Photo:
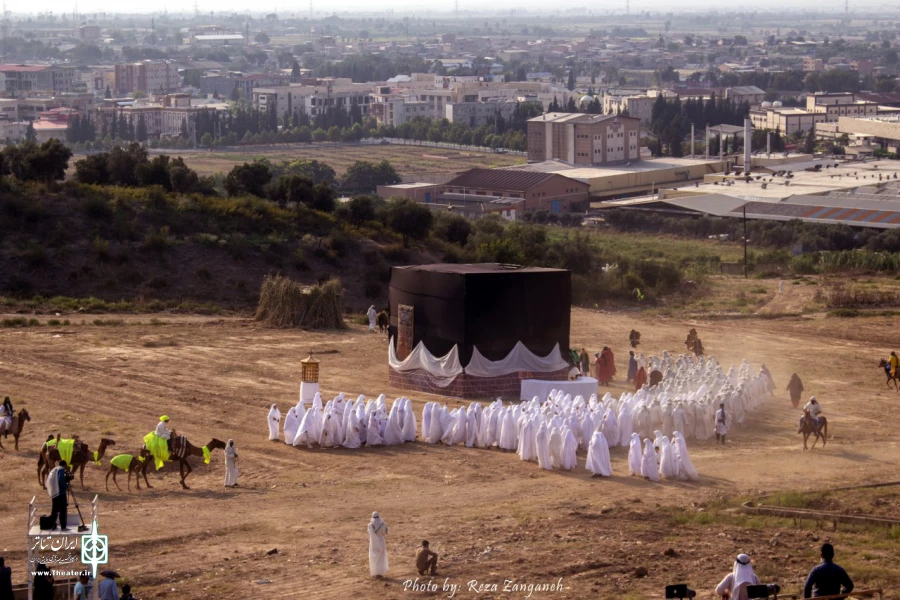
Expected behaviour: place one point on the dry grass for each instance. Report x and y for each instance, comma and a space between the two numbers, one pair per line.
286, 303
406, 159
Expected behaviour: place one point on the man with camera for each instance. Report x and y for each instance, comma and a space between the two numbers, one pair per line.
57, 485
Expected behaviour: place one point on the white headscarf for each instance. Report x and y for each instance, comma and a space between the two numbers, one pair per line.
743, 574
377, 524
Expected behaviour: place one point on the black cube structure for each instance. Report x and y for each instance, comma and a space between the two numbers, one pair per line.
491, 307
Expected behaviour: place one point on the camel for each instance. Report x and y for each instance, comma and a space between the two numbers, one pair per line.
808, 428
81, 455
18, 424
135, 465
384, 320
887, 371
180, 449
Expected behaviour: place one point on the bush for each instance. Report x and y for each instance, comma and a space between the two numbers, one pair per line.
35, 256
843, 312
298, 259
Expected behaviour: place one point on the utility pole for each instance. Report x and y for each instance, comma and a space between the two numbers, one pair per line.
746, 270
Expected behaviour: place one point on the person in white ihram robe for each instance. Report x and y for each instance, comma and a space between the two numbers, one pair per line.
649, 463
686, 468
734, 586
373, 432
569, 456
393, 433
527, 449
372, 314
351, 435
409, 421
304, 432
291, 424
378, 558
231, 472
634, 455
668, 463
542, 443
598, 461
555, 448
274, 421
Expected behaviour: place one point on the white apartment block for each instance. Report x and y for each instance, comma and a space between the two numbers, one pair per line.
314, 100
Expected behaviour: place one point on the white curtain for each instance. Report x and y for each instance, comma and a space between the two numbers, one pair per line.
448, 367
520, 358
420, 358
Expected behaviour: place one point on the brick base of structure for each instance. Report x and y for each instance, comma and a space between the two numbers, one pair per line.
469, 386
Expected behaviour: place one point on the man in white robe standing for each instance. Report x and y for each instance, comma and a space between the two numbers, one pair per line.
373, 315
634, 455
291, 424
721, 424
598, 461
542, 443
649, 462
378, 558
274, 421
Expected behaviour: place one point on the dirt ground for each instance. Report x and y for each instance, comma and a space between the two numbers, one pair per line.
490, 516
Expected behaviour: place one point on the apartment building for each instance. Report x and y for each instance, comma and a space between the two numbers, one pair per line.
820, 108
162, 119
583, 139
840, 105
149, 76
476, 114
16, 80
314, 100
636, 105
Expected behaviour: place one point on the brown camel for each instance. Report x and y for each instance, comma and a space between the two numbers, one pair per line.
136, 466
18, 424
808, 428
81, 455
180, 449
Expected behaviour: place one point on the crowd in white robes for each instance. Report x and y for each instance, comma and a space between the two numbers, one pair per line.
552, 431
346, 423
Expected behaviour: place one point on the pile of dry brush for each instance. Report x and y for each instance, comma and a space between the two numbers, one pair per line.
286, 303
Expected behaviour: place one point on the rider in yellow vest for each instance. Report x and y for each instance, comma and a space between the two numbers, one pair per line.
895, 362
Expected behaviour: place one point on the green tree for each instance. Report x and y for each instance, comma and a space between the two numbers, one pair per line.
30, 134
29, 161
365, 176
408, 218
362, 209
92, 169
140, 132
108, 93
809, 144
249, 178
261, 38
289, 189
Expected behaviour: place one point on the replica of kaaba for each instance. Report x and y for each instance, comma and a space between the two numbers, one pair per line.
477, 330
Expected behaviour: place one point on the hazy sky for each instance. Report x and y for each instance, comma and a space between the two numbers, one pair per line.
301, 8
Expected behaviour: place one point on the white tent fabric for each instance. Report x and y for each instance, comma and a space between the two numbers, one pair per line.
420, 358
519, 358
448, 366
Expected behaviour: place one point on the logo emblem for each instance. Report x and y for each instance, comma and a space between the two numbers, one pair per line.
94, 549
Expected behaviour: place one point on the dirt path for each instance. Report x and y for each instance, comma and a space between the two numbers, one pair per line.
490, 516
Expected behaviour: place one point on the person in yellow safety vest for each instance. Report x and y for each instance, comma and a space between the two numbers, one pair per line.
895, 362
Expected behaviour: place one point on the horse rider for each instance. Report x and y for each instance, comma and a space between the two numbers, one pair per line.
894, 362
813, 409
6, 415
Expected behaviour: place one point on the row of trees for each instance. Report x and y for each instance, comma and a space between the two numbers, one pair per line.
131, 166
670, 120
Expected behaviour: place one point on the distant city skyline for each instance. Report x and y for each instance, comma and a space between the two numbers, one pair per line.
412, 7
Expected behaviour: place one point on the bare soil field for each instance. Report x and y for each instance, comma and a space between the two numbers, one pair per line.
490, 516
406, 159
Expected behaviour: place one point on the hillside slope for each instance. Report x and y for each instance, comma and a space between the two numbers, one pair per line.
143, 245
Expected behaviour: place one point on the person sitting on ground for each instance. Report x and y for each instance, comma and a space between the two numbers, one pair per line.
827, 578
734, 586
426, 559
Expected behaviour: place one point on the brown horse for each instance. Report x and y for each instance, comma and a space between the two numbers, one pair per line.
180, 450
383, 320
81, 455
18, 424
890, 378
808, 428
136, 466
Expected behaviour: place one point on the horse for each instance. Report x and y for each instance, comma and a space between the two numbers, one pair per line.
890, 378
808, 427
383, 320
634, 338
18, 424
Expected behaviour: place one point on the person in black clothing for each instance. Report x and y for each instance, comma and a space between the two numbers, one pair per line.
827, 578
6, 592
43, 583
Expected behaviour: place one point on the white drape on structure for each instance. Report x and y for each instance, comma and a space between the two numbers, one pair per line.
448, 366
